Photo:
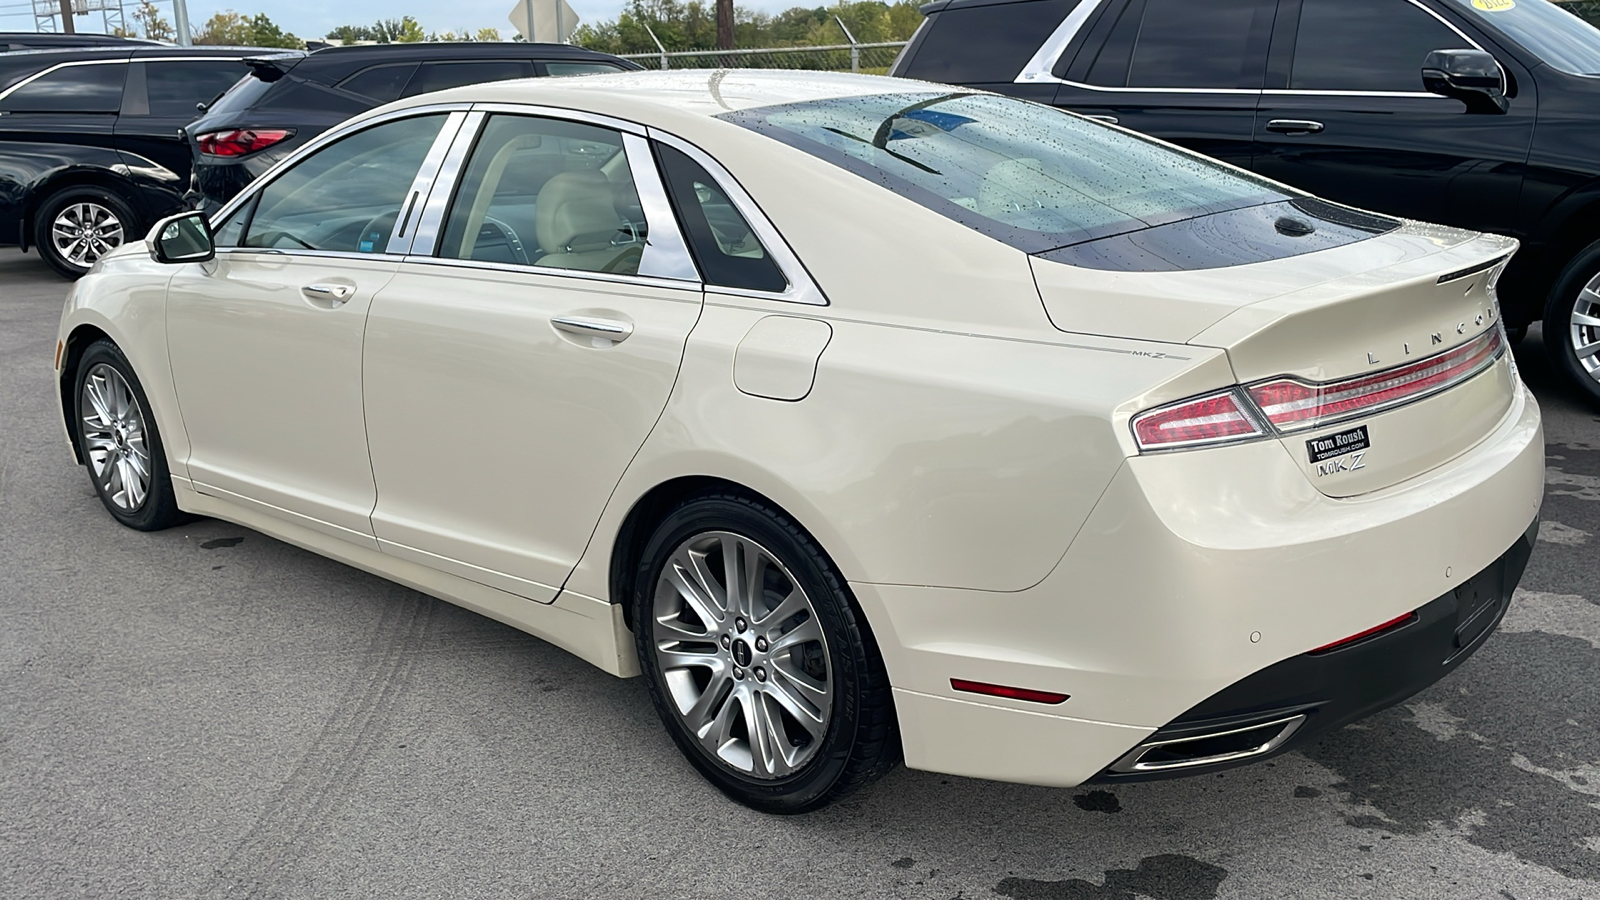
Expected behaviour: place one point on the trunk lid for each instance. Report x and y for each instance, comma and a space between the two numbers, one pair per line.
1358, 310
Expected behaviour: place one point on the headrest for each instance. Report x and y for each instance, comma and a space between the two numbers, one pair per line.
575, 212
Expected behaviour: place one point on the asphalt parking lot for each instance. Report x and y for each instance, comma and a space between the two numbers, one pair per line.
207, 713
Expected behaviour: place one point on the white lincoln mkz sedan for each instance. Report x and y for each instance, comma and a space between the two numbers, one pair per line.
863, 417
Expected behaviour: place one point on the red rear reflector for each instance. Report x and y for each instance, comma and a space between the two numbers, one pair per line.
1294, 405
1395, 622
240, 141
1214, 418
1013, 693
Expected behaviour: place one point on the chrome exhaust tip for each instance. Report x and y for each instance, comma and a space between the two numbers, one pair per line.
1209, 748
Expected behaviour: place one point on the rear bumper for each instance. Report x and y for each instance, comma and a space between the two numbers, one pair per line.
1292, 702
1195, 592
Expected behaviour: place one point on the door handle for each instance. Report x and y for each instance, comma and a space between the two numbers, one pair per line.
331, 294
603, 332
1109, 120
1294, 126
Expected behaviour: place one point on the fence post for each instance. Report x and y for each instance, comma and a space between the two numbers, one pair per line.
855, 52
665, 63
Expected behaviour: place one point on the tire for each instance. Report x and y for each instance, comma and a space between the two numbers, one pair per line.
1572, 319
103, 222
121, 446
798, 664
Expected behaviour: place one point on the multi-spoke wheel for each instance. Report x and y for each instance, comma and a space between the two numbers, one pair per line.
119, 442
760, 665
1572, 321
77, 226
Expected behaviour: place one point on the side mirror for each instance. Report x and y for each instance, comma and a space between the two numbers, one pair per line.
1471, 76
183, 238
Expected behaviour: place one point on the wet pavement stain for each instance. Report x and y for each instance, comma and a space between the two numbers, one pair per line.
1165, 877
1304, 792
219, 543
1098, 801
904, 862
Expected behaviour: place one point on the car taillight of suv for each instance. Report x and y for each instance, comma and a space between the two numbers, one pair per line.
240, 141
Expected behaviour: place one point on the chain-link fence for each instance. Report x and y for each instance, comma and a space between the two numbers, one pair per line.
873, 59
1584, 9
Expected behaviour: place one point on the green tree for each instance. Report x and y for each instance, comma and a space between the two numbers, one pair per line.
155, 26
691, 25
230, 29
488, 35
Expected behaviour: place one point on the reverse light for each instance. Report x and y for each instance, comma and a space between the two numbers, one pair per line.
1294, 405
1010, 693
240, 141
1210, 419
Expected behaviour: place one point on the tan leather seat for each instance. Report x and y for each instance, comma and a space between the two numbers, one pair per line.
576, 220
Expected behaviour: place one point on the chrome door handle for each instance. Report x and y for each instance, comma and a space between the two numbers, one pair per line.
333, 294
611, 330
1294, 126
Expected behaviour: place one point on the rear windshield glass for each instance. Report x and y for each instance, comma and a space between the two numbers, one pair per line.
243, 95
1556, 35
1031, 176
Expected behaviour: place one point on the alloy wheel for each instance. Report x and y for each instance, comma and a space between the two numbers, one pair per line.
742, 655
1584, 331
114, 437
85, 231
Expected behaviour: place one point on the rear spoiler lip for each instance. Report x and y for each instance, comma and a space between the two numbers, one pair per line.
271, 68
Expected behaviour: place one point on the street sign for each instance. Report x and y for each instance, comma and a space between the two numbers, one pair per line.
544, 20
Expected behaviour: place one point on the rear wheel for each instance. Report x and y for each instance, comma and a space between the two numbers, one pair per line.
121, 446
78, 225
759, 663
1572, 322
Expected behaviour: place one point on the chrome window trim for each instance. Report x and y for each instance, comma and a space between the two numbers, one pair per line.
107, 62
321, 140
666, 253
1038, 69
422, 187
581, 274
801, 287
556, 112
300, 251
438, 200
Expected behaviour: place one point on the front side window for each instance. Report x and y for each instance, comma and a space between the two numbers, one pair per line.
1031, 176
346, 196
1200, 45
1554, 34
1366, 45
547, 192
95, 88
724, 245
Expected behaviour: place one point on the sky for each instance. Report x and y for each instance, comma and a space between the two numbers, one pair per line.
315, 18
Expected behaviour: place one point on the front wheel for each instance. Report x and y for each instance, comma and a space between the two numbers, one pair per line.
758, 661
1572, 322
119, 441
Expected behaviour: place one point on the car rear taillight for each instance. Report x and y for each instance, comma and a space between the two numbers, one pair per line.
1293, 405
240, 141
1211, 419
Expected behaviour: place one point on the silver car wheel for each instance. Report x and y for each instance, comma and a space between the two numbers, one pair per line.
83, 232
742, 655
1585, 328
114, 437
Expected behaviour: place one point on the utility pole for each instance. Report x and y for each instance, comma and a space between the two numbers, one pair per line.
67, 25
180, 21
724, 24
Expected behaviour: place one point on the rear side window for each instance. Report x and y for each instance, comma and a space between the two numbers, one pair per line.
444, 75
93, 88
1366, 45
1032, 177
1215, 44
381, 83
724, 245
985, 44
558, 69
174, 88
245, 93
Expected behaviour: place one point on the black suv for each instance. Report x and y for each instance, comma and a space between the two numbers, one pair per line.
1484, 114
292, 99
90, 151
